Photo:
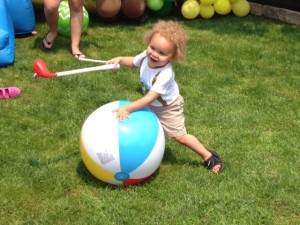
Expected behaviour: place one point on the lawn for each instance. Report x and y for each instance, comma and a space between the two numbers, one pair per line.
241, 86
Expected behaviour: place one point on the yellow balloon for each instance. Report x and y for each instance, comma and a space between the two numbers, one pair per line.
241, 8
222, 7
207, 2
233, 1
190, 9
206, 11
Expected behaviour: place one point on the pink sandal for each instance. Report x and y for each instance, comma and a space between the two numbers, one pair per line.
9, 92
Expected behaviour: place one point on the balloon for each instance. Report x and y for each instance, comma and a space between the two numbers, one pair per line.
206, 11
222, 7
108, 8
207, 2
165, 10
190, 9
64, 19
133, 9
241, 8
155, 4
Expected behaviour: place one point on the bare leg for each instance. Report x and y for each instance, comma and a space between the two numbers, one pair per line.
194, 144
51, 15
76, 21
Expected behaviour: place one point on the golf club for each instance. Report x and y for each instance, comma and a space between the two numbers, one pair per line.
92, 60
41, 70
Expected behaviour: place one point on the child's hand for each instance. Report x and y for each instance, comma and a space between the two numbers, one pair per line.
115, 61
122, 114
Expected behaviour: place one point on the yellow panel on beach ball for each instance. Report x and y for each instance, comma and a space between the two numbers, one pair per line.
92, 166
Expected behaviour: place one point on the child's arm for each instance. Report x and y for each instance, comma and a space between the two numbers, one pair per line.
122, 60
124, 112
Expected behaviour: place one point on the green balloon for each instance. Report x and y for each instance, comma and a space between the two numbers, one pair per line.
64, 19
164, 11
155, 4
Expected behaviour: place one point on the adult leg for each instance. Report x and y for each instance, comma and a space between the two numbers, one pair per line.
51, 15
76, 12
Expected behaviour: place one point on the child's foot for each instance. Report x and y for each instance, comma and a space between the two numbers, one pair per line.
48, 41
78, 55
9, 92
214, 163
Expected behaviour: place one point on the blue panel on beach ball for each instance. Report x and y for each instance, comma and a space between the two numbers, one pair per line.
137, 138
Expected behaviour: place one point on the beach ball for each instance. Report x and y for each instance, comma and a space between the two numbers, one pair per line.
222, 7
122, 153
190, 9
206, 11
64, 19
241, 8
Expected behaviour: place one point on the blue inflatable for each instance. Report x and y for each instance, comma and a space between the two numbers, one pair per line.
7, 36
22, 14
17, 19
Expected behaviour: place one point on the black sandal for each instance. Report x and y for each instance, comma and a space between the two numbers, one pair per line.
213, 161
47, 45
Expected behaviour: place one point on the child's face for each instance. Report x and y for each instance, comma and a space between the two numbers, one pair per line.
160, 51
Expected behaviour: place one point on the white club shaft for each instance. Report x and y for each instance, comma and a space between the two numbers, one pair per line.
89, 69
92, 60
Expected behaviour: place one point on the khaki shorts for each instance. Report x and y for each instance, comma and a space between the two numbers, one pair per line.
171, 117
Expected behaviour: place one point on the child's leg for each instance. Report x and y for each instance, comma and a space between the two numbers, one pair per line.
52, 16
76, 12
194, 144
172, 120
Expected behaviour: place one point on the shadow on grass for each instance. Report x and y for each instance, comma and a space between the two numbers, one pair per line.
85, 175
169, 158
63, 43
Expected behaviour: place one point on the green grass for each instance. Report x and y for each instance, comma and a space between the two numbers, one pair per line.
241, 86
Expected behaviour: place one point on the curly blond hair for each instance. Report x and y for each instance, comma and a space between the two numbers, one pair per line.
173, 32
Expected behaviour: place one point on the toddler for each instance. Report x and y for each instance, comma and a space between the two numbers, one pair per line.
166, 42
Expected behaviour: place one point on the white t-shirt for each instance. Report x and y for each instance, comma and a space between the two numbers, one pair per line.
165, 83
